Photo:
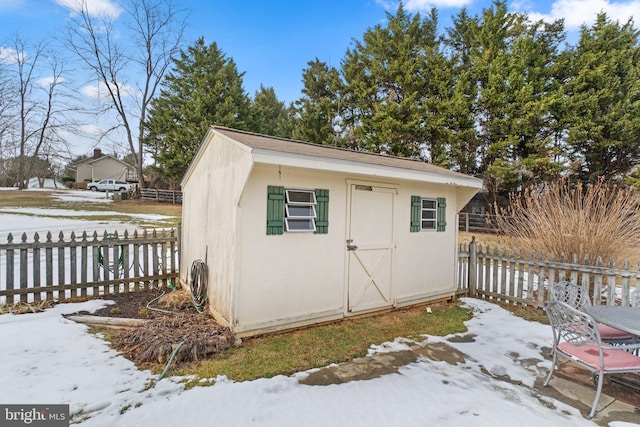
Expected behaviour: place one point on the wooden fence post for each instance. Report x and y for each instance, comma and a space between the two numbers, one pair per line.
473, 266
9, 286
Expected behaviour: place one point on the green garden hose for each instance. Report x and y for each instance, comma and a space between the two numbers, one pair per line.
166, 368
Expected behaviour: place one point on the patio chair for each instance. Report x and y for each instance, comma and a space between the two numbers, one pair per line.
634, 298
578, 297
576, 337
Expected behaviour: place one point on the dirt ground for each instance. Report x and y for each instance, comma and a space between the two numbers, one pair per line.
145, 304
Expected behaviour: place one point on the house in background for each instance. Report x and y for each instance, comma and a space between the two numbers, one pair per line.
296, 233
102, 166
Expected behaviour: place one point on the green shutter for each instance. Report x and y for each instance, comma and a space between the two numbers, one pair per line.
275, 210
416, 204
442, 214
322, 211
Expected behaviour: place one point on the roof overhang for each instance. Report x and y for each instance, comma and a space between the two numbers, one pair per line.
367, 169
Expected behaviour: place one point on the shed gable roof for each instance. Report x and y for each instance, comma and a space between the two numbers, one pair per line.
275, 144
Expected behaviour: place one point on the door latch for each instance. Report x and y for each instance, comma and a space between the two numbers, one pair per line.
351, 247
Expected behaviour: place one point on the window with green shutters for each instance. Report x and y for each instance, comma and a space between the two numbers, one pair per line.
428, 214
296, 210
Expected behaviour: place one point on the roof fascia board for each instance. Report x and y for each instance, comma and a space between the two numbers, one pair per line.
348, 166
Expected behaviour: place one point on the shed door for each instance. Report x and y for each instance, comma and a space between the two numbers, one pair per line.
370, 247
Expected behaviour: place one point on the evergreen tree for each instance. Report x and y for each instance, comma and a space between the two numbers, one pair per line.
460, 100
391, 77
522, 151
203, 89
319, 106
505, 70
604, 127
268, 115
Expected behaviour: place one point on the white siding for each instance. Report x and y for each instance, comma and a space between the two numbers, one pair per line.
292, 277
425, 260
298, 278
210, 199
103, 168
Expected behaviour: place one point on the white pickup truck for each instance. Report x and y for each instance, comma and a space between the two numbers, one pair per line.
109, 185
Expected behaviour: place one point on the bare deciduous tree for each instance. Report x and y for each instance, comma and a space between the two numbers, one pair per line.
153, 30
32, 121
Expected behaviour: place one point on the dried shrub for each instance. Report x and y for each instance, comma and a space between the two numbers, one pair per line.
155, 341
178, 299
23, 307
597, 220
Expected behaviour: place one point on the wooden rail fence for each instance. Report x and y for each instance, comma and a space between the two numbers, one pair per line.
477, 222
170, 196
521, 278
83, 266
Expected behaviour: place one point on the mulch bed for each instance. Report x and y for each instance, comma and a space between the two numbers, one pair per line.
173, 324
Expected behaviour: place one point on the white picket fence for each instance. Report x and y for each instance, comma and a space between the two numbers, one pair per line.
32, 270
521, 278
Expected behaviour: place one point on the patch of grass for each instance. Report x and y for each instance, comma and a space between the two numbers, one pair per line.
15, 198
527, 312
319, 346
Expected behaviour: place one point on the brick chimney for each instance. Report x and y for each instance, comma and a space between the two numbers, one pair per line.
97, 153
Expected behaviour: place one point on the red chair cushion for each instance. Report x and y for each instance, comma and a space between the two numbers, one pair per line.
609, 333
614, 360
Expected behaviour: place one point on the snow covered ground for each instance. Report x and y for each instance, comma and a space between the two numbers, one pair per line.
40, 220
50, 360
26, 222
47, 359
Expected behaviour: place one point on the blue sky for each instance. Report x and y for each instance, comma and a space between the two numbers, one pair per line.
272, 41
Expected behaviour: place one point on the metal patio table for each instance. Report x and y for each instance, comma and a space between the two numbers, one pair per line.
624, 318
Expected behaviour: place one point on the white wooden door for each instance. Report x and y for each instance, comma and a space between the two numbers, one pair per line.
371, 247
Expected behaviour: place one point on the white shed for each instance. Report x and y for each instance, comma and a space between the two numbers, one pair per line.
296, 233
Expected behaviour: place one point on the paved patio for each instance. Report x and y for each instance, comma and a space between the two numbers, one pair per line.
570, 385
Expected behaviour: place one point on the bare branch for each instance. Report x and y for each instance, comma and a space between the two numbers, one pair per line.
155, 29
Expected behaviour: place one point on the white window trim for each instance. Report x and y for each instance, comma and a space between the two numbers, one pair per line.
311, 228
434, 210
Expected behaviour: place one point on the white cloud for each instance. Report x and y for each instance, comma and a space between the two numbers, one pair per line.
95, 8
425, 5
9, 55
578, 12
90, 129
47, 81
100, 90
387, 4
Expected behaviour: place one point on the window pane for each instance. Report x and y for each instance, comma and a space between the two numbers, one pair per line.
428, 225
295, 196
428, 214
301, 211
299, 224
428, 204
